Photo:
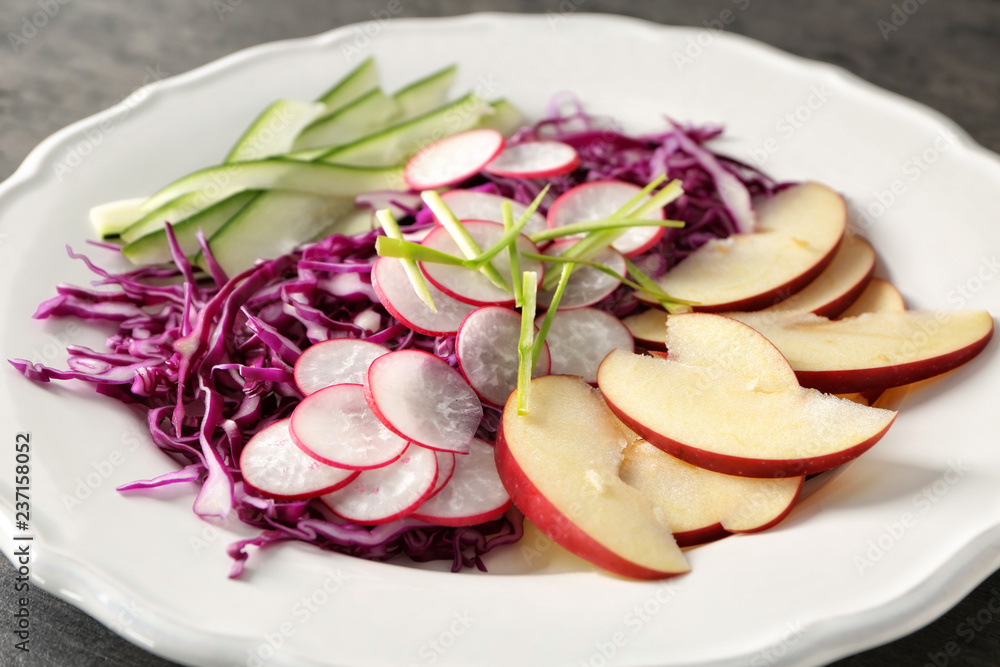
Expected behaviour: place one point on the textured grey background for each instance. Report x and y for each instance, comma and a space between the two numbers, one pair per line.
90, 55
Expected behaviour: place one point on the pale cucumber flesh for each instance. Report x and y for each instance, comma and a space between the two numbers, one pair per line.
153, 248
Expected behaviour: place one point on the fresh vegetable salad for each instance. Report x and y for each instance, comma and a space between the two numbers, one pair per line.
329, 344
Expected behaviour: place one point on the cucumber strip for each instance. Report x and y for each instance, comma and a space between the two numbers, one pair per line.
275, 130
330, 180
353, 85
153, 248
173, 211
370, 112
427, 93
274, 223
395, 144
505, 118
114, 217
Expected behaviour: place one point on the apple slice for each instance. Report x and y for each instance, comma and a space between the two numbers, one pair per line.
879, 296
700, 505
873, 350
560, 462
648, 328
726, 400
839, 284
797, 234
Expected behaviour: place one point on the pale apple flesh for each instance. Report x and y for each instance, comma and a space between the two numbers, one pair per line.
750, 420
797, 235
700, 505
873, 350
560, 462
839, 284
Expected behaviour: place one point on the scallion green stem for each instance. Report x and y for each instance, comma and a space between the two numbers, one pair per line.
393, 233
461, 236
526, 342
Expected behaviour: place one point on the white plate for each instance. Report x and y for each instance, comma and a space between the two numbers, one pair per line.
147, 568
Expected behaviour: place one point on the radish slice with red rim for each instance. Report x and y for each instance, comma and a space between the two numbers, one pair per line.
486, 347
468, 285
446, 468
423, 399
273, 466
452, 159
395, 292
475, 205
388, 493
335, 425
586, 285
580, 339
473, 495
535, 159
335, 361
598, 200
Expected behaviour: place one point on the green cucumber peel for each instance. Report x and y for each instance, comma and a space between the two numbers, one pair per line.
393, 233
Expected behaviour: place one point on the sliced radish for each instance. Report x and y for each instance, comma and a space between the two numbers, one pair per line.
475, 493
587, 285
474, 205
388, 493
598, 200
423, 399
535, 159
395, 292
446, 468
452, 159
335, 425
580, 339
471, 286
273, 466
335, 361
487, 352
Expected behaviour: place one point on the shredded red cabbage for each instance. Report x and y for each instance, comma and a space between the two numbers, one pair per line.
211, 357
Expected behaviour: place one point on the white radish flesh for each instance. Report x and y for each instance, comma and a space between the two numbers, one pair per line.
335, 361
335, 425
423, 399
587, 285
598, 200
468, 285
487, 352
473, 495
452, 159
535, 159
579, 340
395, 292
388, 493
446, 468
474, 205
272, 465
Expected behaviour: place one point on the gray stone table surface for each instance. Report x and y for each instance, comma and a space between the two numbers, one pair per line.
87, 56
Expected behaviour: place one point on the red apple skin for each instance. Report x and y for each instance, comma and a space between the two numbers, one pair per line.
556, 525
748, 467
842, 303
864, 380
699, 536
775, 295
